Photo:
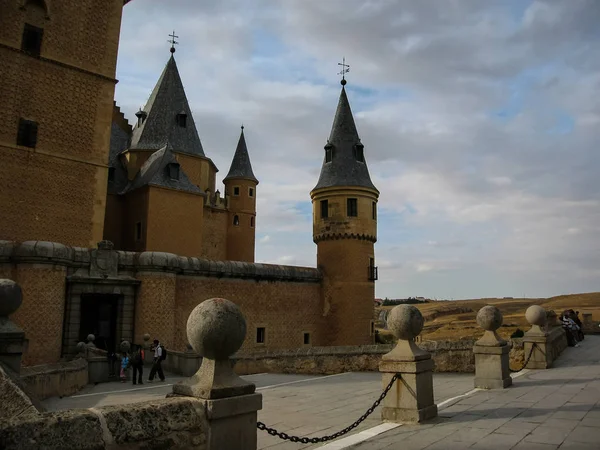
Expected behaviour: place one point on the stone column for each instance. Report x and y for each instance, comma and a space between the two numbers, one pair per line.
411, 396
216, 329
491, 352
536, 316
12, 338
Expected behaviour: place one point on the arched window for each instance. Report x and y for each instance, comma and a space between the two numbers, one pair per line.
36, 13
252, 222
236, 220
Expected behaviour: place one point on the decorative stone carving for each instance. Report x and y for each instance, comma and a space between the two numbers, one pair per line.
491, 352
411, 396
104, 261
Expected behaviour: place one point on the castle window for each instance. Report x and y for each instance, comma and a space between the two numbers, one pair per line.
251, 192
181, 119
373, 275
374, 210
359, 153
236, 220
31, 42
138, 231
372, 327
236, 191
111, 174
173, 170
252, 222
328, 153
306, 338
324, 209
260, 335
27, 133
352, 207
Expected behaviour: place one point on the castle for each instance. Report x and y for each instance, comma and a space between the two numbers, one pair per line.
121, 231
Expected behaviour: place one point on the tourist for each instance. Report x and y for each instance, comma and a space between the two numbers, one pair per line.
570, 328
159, 356
575, 317
137, 362
124, 366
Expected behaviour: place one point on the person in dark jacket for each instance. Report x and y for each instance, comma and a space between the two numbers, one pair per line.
137, 362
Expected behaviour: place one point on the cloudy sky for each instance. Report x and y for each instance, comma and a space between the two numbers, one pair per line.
480, 119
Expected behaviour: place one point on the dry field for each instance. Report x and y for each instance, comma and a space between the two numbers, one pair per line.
456, 319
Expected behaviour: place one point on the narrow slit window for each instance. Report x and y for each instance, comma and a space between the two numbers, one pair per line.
138, 231
27, 133
352, 207
260, 335
31, 42
306, 338
328, 153
252, 222
236, 220
324, 209
374, 206
250, 192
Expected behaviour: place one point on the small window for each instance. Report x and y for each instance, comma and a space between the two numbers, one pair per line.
352, 207
260, 335
359, 153
250, 192
324, 209
374, 210
138, 231
173, 171
372, 327
236, 220
111, 174
328, 153
32, 40
252, 222
306, 338
27, 133
181, 119
236, 191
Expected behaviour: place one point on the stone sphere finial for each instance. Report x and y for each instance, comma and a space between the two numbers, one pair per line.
90, 340
489, 318
80, 347
125, 346
146, 337
216, 328
405, 321
11, 297
536, 315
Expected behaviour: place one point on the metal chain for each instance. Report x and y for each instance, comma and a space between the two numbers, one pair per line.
316, 440
533, 346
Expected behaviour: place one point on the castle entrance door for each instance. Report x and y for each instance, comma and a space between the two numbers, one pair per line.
99, 314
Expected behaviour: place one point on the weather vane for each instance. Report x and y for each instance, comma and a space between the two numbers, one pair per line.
172, 41
344, 71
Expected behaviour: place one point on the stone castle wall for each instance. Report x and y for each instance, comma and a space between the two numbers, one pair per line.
214, 239
286, 301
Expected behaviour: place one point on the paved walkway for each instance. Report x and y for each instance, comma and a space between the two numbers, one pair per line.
557, 408
302, 405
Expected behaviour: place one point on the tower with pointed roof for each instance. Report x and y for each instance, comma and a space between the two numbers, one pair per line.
240, 189
345, 231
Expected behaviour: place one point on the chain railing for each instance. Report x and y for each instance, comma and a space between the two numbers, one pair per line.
533, 346
316, 440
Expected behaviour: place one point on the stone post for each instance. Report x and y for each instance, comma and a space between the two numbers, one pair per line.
12, 338
90, 341
491, 352
216, 329
411, 396
536, 316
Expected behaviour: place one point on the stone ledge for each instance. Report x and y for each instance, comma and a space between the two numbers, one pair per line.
41, 252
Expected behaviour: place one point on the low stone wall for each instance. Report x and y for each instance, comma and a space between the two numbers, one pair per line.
175, 423
55, 380
182, 363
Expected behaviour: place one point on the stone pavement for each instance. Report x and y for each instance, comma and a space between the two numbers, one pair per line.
557, 408
303, 405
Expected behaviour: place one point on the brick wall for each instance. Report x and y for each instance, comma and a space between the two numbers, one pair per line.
174, 222
42, 311
214, 239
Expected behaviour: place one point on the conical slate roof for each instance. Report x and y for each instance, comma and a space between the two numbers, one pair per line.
348, 166
240, 165
160, 126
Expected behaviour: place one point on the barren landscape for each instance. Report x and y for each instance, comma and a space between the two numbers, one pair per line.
451, 320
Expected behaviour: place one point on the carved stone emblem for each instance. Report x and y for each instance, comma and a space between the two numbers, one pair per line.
104, 261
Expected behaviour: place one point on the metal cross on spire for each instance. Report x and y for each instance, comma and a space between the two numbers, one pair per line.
344, 71
173, 42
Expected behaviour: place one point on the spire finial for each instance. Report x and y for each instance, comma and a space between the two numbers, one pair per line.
344, 71
242, 127
172, 41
